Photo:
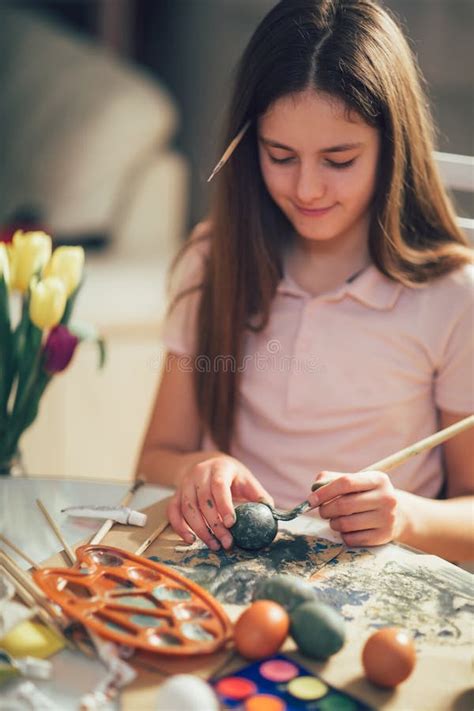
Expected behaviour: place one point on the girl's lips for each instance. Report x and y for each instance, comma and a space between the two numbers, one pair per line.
314, 213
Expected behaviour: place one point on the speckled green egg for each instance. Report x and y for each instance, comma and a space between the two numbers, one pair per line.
287, 590
318, 629
254, 527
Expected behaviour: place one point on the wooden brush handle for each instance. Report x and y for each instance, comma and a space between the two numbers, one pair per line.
394, 460
388, 463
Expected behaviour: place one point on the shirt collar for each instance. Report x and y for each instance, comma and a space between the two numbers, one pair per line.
370, 287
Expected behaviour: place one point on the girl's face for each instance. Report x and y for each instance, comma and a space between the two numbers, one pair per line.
319, 165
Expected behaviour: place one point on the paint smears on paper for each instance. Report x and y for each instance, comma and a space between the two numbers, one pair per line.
231, 575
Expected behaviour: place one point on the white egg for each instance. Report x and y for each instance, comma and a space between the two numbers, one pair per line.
185, 691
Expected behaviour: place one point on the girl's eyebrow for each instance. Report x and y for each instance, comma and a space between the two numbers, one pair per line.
331, 149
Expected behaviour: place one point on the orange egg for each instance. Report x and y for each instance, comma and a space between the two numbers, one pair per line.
261, 629
388, 657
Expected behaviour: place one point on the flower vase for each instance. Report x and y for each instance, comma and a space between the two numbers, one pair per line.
12, 466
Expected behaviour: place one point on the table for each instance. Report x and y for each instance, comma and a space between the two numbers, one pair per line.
22, 522
390, 582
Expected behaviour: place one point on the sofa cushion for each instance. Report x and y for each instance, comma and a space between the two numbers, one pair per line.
74, 121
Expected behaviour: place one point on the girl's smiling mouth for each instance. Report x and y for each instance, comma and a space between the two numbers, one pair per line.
318, 212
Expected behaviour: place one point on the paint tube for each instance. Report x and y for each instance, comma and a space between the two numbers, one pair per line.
27, 666
119, 514
34, 698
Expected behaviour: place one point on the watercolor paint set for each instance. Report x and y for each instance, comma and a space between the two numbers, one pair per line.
281, 684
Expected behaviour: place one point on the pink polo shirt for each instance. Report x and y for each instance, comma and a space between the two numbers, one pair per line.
343, 379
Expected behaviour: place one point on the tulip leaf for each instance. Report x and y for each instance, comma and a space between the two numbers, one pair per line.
25, 395
31, 409
6, 351
70, 304
21, 330
102, 352
88, 332
26, 416
27, 346
29, 368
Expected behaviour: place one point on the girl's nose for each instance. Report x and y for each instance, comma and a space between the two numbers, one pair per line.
311, 185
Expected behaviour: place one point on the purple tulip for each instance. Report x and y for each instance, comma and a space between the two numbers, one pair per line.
59, 349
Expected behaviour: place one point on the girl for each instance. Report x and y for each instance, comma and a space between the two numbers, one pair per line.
323, 316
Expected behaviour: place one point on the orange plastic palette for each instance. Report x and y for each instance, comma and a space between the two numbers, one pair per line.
137, 602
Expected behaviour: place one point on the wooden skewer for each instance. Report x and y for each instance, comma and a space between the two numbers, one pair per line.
67, 549
394, 460
18, 551
96, 640
30, 602
24, 594
229, 150
25, 580
159, 530
32, 595
107, 525
28, 584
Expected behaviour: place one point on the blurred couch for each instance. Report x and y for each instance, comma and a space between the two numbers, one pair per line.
86, 140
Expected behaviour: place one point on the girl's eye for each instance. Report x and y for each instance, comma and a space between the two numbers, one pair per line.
280, 160
340, 166
331, 163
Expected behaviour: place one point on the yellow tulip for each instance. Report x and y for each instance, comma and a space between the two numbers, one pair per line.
66, 263
48, 301
29, 254
4, 264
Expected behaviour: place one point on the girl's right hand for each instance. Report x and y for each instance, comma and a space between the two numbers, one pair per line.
203, 500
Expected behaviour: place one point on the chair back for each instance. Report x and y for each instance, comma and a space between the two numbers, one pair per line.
457, 172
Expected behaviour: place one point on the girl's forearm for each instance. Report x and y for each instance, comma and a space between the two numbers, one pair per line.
160, 465
443, 528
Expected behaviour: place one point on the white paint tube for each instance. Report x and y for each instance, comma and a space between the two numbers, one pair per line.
119, 514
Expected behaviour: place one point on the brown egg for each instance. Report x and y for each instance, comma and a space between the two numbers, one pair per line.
388, 657
261, 629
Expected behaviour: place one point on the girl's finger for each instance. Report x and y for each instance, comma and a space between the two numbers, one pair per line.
208, 507
372, 537
357, 503
192, 514
221, 483
347, 484
326, 476
250, 489
177, 521
359, 522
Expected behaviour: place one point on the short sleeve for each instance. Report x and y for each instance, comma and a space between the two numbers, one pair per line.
454, 381
180, 326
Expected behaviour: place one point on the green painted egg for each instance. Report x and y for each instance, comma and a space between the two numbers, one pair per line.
288, 590
317, 629
254, 527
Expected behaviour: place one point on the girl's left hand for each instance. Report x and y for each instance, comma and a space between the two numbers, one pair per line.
363, 507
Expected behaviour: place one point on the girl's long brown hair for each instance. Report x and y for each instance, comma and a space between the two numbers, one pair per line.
352, 50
